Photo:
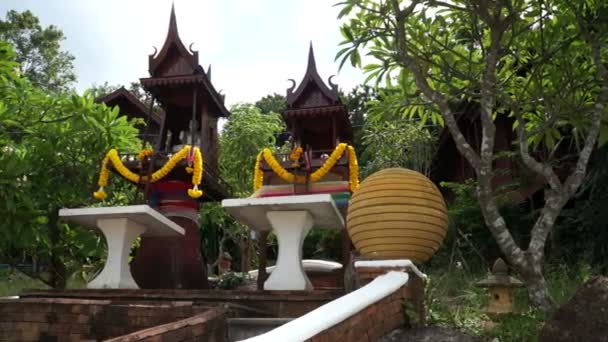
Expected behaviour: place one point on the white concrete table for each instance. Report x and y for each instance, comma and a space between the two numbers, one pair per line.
121, 226
291, 217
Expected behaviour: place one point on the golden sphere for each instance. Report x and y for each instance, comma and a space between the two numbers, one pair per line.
397, 213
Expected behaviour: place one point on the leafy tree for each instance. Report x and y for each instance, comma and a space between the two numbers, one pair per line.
357, 104
38, 51
99, 90
541, 62
51, 147
274, 103
397, 144
246, 133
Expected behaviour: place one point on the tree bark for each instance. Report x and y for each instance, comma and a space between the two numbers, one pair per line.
538, 292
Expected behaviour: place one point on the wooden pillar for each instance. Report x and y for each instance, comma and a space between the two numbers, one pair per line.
334, 131
205, 138
194, 108
262, 262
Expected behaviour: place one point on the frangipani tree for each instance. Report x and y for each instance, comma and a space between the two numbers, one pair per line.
542, 62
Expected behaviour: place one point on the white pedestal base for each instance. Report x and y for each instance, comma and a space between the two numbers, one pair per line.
291, 217
121, 226
120, 234
291, 228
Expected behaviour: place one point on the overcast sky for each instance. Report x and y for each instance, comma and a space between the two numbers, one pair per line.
254, 46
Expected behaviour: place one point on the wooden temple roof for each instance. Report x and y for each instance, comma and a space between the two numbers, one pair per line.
130, 104
175, 66
316, 101
312, 91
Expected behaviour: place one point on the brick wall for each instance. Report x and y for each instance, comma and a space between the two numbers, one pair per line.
371, 323
57, 319
274, 303
209, 326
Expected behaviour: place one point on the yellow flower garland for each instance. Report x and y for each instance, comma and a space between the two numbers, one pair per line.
329, 163
316, 176
279, 170
295, 155
144, 153
113, 157
197, 175
353, 169
258, 175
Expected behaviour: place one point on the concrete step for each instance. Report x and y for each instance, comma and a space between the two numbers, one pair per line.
244, 328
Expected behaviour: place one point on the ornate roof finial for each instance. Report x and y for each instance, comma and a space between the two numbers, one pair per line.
312, 65
312, 77
173, 42
172, 21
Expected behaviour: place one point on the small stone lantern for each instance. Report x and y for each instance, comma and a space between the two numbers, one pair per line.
500, 286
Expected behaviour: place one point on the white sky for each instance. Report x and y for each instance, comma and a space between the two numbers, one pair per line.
254, 46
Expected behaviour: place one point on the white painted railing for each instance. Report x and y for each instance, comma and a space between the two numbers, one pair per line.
336, 311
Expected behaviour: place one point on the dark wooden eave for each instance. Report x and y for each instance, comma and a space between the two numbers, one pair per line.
121, 95
312, 82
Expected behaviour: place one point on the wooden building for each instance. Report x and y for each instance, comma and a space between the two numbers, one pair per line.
132, 107
191, 107
315, 115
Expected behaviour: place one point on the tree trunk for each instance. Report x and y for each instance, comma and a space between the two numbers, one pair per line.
538, 293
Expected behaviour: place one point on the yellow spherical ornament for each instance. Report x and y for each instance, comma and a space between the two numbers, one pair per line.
397, 213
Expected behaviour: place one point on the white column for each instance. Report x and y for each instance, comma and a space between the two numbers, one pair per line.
291, 228
120, 234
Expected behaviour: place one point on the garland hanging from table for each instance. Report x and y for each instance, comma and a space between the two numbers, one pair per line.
192, 155
353, 167
295, 155
258, 175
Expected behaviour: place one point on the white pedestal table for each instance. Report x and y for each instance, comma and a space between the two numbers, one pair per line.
291, 217
121, 226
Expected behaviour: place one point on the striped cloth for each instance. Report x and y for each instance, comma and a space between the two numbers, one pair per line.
339, 190
171, 199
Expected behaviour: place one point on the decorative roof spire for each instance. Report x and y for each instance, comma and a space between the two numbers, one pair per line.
173, 21
172, 42
312, 77
312, 64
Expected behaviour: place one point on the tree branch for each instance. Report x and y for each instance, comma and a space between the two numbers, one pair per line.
556, 201
542, 169
411, 63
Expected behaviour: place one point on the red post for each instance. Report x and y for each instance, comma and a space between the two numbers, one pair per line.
169, 263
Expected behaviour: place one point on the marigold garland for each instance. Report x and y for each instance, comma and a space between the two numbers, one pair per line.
113, 157
316, 176
329, 163
295, 155
144, 153
353, 169
258, 175
279, 170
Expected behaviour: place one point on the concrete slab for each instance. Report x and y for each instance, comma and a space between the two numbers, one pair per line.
252, 211
156, 224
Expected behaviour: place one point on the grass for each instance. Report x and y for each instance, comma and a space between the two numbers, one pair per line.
12, 283
454, 301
